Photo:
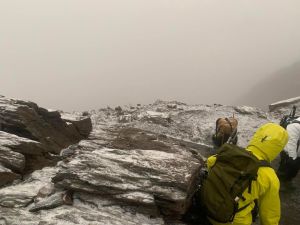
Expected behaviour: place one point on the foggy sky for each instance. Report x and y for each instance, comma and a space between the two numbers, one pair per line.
80, 55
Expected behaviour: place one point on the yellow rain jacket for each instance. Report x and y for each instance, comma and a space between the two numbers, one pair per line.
267, 142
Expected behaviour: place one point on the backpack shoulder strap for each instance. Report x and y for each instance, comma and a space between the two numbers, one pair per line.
261, 163
264, 163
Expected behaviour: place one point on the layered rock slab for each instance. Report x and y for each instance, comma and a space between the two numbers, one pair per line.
17, 201
28, 120
156, 181
31, 137
134, 172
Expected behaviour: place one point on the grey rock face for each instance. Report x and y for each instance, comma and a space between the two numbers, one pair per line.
7, 176
82, 124
285, 106
148, 178
22, 194
139, 170
17, 206
87, 209
26, 119
30, 135
156, 117
10, 147
50, 202
196, 123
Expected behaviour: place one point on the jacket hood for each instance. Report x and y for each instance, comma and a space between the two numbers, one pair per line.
268, 141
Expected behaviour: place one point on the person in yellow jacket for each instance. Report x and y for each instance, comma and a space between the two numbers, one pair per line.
267, 142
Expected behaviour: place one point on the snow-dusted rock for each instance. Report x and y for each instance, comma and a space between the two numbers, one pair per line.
285, 106
140, 170
28, 120
10, 146
196, 123
30, 136
125, 118
147, 178
49, 202
81, 123
155, 117
23, 193
86, 209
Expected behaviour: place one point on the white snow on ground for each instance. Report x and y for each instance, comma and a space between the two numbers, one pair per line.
7, 139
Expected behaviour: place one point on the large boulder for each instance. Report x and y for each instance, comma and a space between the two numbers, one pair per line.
17, 204
151, 179
28, 120
80, 122
31, 137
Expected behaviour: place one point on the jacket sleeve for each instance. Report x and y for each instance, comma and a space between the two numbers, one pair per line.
269, 201
294, 134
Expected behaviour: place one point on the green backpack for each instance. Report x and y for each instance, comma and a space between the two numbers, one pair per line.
232, 174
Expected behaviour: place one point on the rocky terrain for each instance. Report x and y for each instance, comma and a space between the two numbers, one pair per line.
129, 165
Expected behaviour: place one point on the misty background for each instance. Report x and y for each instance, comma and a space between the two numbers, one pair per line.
80, 55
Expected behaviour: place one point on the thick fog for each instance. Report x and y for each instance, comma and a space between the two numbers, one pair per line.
80, 55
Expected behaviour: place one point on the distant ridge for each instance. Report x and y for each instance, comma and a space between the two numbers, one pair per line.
284, 84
